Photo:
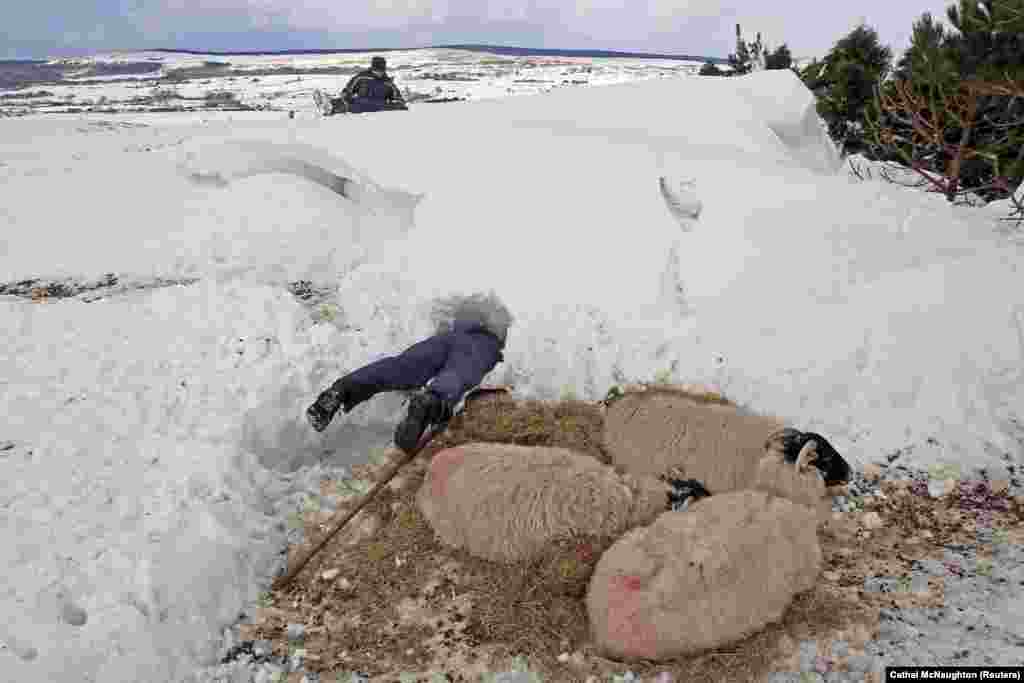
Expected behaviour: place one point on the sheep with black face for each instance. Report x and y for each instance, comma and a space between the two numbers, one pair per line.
802, 449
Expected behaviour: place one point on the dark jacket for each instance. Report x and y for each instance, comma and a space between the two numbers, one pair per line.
469, 341
372, 88
453, 362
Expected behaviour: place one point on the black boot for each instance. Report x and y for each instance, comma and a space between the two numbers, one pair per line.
341, 395
425, 409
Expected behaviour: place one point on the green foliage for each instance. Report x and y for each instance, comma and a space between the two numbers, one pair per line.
326, 313
780, 58
928, 59
663, 376
350, 487
989, 44
379, 456
844, 83
614, 393
295, 521
953, 110
746, 55
943, 471
741, 60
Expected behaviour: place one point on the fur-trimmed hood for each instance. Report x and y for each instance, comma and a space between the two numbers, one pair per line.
465, 312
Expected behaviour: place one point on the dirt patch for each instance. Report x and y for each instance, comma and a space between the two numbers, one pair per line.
400, 602
500, 418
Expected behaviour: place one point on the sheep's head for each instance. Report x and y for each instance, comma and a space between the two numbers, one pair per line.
807, 448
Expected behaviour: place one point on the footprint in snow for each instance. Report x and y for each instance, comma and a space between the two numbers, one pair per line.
682, 201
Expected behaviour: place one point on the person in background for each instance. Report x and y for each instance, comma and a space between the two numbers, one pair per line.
369, 90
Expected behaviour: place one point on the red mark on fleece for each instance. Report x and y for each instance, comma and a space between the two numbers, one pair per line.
442, 466
628, 629
585, 552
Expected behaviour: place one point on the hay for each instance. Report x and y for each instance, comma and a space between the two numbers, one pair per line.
660, 431
703, 578
500, 418
507, 503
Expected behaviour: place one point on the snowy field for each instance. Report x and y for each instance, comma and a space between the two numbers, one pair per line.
276, 84
691, 229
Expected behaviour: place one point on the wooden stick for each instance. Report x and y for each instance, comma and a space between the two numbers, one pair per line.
389, 474
336, 526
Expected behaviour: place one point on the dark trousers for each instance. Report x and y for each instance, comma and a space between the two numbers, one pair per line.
339, 105
455, 361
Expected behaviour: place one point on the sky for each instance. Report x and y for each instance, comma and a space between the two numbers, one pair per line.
696, 27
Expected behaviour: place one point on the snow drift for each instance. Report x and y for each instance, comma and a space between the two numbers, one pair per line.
159, 434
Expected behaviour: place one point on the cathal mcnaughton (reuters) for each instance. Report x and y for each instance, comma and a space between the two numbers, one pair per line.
955, 675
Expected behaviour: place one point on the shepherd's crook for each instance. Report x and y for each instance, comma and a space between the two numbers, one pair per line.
336, 526
389, 474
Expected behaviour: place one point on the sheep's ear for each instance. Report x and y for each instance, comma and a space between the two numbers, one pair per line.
778, 442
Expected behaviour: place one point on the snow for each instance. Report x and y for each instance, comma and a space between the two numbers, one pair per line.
155, 433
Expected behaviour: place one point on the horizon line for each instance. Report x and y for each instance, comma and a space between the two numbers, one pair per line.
474, 47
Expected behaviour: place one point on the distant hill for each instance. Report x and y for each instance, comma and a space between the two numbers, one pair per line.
495, 49
543, 52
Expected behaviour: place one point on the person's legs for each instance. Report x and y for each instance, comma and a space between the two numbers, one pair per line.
411, 369
470, 357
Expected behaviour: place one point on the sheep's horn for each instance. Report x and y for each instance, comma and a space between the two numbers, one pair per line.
808, 455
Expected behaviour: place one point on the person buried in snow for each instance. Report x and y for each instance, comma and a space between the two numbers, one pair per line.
469, 338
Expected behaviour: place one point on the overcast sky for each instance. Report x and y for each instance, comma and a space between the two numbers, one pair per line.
41, 28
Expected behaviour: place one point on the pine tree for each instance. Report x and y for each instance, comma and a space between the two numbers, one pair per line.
758, 54
990, 42
779, 59
954, 111
929, 56
845, 84
741, 60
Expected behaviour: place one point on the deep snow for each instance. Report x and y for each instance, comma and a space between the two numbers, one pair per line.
143, 494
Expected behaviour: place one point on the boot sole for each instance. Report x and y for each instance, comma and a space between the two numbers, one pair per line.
411, 429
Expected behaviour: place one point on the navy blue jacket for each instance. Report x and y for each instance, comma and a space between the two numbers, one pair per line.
369, 90
453, 362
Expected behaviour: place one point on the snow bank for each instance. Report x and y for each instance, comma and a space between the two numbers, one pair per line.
159, 435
